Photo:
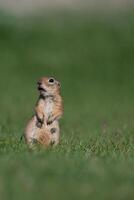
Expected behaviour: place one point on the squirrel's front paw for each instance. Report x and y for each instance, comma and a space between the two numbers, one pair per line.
39, 122
49, 121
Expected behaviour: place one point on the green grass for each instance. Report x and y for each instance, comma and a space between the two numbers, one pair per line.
93, 57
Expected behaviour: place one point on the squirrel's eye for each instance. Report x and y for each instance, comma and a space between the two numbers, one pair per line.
51, 80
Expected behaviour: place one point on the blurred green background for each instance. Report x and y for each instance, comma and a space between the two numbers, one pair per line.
93, 57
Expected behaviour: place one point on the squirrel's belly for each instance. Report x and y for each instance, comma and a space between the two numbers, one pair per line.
49, 107
47, 135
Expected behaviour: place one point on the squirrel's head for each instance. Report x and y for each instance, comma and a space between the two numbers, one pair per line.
48, 86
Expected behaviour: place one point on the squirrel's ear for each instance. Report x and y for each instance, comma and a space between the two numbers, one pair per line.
58, 83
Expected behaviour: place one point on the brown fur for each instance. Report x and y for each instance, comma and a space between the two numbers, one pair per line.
44, 126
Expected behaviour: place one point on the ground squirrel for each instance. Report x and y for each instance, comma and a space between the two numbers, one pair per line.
43, 128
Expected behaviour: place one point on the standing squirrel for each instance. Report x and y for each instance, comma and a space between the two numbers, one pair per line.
43, 128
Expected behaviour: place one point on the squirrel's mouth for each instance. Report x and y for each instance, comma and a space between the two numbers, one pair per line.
41, 89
